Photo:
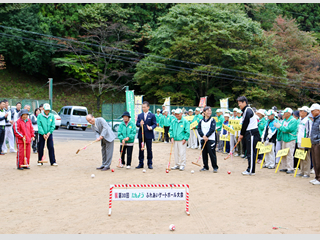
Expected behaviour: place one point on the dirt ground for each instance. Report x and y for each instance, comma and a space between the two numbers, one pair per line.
65, 199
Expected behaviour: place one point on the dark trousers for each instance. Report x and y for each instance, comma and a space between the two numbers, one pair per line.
35, 142
2, 135
315, 152
211, 149
166, 133
49, 146
227, 146
148, 147
127, 149
251, 139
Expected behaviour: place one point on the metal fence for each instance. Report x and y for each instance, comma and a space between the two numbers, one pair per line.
112, 112
33, 103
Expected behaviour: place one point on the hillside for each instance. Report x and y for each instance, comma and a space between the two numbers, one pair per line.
15, 84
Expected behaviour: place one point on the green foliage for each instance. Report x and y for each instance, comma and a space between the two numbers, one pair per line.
31, 56
218, 35
265, 13
307, 15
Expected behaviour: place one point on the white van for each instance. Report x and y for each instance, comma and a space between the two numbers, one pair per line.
74, 116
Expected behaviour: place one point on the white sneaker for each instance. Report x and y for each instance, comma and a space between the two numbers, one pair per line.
313, 180
246, 173
55, 164
175, 167
192, 147
188, 147
312, 171
199, 148
128, 167
236, 155
181, 168
165, 142
39, 164
316, 182
4, 151
13, 151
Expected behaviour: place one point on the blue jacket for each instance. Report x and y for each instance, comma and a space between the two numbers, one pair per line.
150, 121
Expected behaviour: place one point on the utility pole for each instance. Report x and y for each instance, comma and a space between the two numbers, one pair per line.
50, 92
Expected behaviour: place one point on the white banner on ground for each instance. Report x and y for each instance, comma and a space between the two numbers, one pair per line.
148, 194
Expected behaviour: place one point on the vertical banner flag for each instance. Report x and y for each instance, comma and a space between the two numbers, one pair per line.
137, 106
167, 104
202, 103
130, 102
224, 105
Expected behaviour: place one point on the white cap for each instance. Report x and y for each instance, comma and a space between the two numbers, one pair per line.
218, 110
304, 108
173, 110
226, 115
178, 111
289, 110
261, 111
239, 111
270, 112
315, 106
190, 110
158, 110
235, 109
46, 106
198, 109
165, 110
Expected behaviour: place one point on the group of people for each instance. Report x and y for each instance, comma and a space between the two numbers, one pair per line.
20, 127
177, 131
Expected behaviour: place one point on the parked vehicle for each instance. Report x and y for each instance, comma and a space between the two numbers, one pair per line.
57, 119
74, 116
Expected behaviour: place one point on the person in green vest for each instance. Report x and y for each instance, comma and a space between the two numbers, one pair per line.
126, 134
179, 134
46, 126
289, 130
165, 123
279, 138
158, 119
219, 123
197, 118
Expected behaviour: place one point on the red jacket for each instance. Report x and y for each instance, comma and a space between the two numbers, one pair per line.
22, 129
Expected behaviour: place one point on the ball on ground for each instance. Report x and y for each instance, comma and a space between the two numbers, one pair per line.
192, 171
229, 172
172, 227
92, 175
143, 170
112, 170
167, 171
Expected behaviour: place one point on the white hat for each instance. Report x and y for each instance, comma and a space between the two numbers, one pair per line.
46, 106
239, 111
226, 115
190, 110
163, 105
289, 110
315, 106
178, 111
235, 109
304, 108
262, 112
270, 112
165, 110
198, 109
173, 110
158, 110
218, 110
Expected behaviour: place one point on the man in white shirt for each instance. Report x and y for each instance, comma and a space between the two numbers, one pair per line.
3, 117
8, 130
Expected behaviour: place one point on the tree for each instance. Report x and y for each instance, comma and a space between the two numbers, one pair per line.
265, 13
301, 52
22, 49
99, 67
214, 37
